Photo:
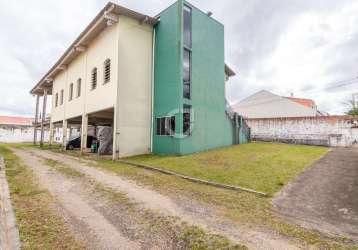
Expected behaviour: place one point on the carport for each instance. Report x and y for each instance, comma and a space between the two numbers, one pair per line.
86, 125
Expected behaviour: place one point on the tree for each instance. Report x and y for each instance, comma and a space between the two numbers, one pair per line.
353, 107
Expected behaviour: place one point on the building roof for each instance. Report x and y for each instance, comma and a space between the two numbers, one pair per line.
15, 120
305, 102
99, 23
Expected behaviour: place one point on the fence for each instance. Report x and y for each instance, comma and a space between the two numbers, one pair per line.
335, 131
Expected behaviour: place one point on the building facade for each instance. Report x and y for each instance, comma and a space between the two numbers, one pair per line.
17, 129
189, 89
265, 104
159, 82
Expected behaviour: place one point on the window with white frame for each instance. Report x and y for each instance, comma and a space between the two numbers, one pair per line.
166, 125
106, 71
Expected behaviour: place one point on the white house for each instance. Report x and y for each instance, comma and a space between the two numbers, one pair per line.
17, 129
265, 104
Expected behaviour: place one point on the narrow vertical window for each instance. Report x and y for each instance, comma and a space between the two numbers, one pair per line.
107, 71
186, 74
70, 96
187, 27
56, 100
61, 97
79, 82
94, 78
186, 119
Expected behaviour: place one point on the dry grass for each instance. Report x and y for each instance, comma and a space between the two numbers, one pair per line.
39, 226
242, 208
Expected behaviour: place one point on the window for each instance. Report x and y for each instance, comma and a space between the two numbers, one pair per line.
79, 82
107, 71
166, 125
186, 119
70, 96
56, 100
187, 27
94, 78
61, 97
186, 74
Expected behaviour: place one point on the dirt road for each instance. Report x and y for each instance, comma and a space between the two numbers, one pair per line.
325, 196
75, 197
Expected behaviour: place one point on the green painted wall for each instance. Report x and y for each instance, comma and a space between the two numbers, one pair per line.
167, 75
211, 126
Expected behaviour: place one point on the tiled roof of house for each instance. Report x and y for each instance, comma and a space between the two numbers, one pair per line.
13, 120
306, 102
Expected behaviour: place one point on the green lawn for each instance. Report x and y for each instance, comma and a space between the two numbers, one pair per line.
264, 167
240, 207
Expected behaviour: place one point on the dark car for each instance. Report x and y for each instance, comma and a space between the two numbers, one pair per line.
76, 142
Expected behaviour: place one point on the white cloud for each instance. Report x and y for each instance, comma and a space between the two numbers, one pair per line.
283, 46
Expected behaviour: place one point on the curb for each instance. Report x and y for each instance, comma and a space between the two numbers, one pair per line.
196, 180
9, 234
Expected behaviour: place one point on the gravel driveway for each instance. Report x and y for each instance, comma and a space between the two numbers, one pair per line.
70, 191
325, 196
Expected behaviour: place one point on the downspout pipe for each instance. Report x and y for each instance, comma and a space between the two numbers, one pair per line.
152, 91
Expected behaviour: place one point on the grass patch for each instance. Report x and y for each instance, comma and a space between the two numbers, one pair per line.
39, 226
264, 167
68, 171
241, 207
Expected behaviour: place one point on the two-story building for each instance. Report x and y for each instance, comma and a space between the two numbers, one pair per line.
159, 82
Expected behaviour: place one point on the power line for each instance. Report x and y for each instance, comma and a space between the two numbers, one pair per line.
334, 85
337, 84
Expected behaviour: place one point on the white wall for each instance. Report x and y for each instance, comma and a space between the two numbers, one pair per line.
12, 134
328, 130
267, 105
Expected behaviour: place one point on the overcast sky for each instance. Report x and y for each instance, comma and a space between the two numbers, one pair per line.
285, 46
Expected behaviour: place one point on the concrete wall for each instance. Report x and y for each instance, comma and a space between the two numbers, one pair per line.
268, 105
326, 130
12, 134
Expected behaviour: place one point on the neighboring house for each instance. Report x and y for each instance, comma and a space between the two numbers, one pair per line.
16, 129
159, 82
265, 104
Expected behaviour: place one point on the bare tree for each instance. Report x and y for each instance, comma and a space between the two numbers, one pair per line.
353, 106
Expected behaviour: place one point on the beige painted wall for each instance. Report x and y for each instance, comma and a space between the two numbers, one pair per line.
134, 93
128, 44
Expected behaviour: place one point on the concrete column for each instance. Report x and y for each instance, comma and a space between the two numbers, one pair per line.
44, 103
51, 134
36, 118
84, 132
64, 134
